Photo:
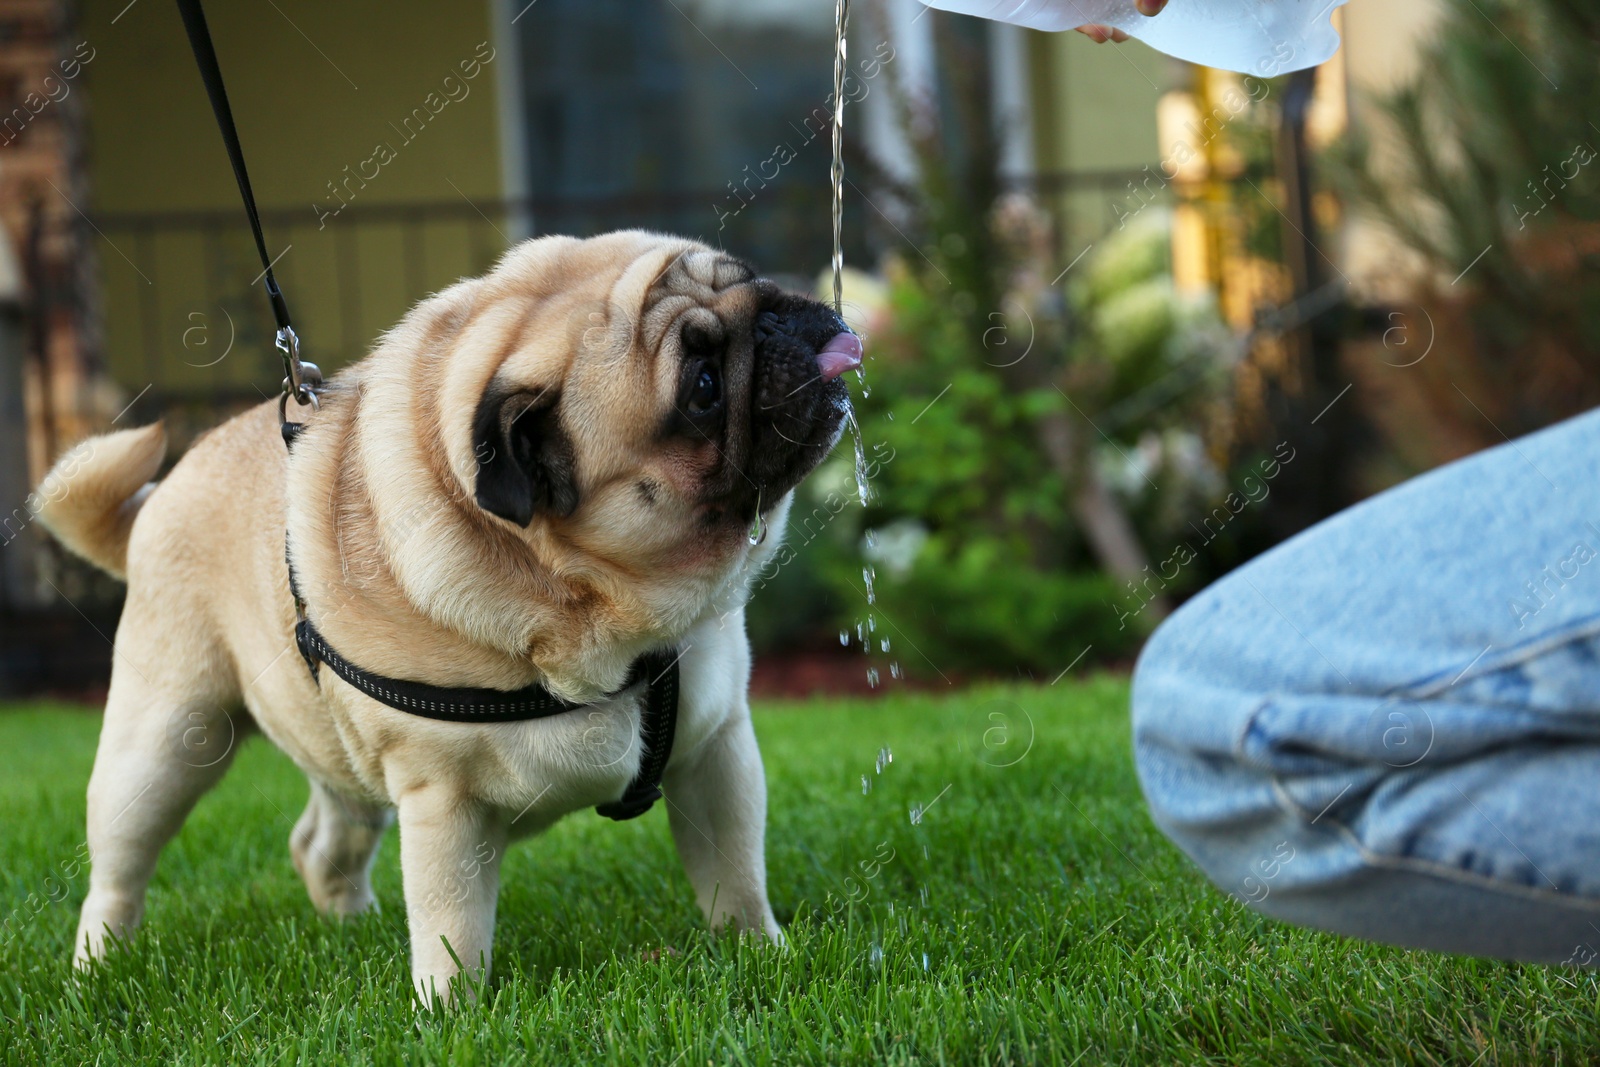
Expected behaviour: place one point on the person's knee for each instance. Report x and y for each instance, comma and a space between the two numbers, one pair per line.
1157, 705
1192, 693
1158, 675
1191, 717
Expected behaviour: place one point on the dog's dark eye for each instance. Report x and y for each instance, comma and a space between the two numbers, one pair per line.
705, 391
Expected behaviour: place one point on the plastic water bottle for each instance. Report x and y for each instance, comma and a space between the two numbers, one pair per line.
1260, 37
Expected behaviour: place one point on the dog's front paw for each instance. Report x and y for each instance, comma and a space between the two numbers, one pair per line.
107, 920
752, 919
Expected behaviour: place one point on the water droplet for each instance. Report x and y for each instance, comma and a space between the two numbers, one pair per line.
872, 677
883, 644
861, 632
924, 961
885, 757
872, 624
895, 672
866, 785
916, 815
891, 907
876, 955
891, 415
758, 530
866, 390
868, 574
871, 538
844, 638
924, 892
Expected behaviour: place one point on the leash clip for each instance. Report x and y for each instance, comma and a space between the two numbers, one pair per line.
301, 380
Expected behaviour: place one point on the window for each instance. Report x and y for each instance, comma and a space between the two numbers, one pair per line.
707, 118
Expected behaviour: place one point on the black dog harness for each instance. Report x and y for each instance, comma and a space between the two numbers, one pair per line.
658, 671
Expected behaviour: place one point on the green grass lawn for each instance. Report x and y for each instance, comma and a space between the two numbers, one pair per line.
1032, 914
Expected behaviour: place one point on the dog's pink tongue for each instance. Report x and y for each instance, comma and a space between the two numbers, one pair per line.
839, 355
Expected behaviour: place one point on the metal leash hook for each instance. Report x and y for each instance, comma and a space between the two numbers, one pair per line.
301, 380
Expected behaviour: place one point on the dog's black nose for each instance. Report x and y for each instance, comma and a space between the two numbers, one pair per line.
806, 338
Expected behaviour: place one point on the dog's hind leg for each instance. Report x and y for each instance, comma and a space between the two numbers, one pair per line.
333, 846
160, 750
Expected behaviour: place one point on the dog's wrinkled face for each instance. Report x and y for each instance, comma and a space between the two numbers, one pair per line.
558, 464
657, 396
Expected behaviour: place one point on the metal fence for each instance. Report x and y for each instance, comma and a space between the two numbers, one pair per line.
184, 334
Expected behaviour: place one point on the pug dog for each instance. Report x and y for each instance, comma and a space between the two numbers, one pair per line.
538, 476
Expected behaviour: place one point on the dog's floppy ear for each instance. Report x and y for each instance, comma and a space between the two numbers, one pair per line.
525, 459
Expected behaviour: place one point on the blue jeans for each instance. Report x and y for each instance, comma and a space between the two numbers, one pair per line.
1389, 726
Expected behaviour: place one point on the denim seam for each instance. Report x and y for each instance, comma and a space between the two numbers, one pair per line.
1533, 648
1427, 688
1411, 865
1422, 690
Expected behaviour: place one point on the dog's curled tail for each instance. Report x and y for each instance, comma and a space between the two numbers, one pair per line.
92, 495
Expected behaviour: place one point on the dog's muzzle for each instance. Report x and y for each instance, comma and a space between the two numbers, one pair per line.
802, 351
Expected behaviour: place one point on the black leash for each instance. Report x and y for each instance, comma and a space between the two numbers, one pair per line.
301, 379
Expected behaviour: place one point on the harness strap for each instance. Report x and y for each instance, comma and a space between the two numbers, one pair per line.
657, 670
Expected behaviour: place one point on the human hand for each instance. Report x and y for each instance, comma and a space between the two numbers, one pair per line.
1101, 34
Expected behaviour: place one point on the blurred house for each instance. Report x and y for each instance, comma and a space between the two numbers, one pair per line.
396, 147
